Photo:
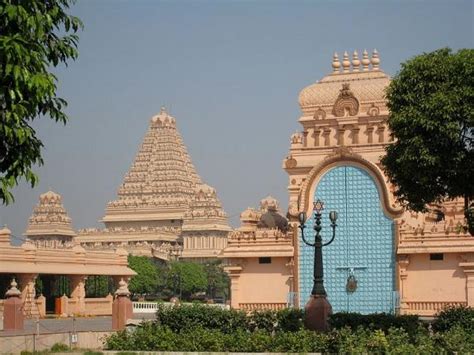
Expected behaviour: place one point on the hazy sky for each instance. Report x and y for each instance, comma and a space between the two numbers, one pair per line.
230, 72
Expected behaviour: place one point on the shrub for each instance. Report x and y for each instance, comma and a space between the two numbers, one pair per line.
185, 317
376, 321
459, 316
59, 347
290, 319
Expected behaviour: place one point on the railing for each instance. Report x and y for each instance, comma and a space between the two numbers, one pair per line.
262, 306
145, 307
429, 308
152, 307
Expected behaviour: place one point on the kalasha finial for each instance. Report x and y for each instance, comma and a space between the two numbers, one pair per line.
375, 60
355, 61
123, 289
346, 64
336, 64
365, 60
13, 291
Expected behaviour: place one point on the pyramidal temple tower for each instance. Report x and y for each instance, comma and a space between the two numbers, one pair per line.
163, 208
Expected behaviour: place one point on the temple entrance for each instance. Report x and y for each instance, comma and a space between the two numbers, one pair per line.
52, 287
359, 266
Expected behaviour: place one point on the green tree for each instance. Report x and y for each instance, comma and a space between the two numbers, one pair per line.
431, 103
217, 279
35, 36
187, 278
146, 280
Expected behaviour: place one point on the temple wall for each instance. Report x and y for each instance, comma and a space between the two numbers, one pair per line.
263, 283
435, 280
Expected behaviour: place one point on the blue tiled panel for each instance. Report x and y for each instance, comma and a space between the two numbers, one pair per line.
364, 241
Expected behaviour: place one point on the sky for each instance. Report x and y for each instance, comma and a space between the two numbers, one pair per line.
230, 73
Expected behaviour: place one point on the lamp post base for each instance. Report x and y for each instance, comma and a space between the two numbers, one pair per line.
317, 312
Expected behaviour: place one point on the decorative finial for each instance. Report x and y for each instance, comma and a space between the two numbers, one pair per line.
346, 64
375, 60
13, 291
163, 110
123, 289
365, 60
336, 64
355, 61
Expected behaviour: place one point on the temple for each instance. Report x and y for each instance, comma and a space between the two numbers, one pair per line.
51, 253
384, 258
163, 209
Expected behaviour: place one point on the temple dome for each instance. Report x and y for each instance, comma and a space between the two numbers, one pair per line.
367, 84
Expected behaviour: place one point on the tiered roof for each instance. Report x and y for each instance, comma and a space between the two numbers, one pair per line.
49, 218
163, 184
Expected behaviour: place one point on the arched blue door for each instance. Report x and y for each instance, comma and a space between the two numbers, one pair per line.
363, 247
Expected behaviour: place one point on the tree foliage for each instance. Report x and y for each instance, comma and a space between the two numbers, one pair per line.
35, 36
146, 280
432, 117
191, 278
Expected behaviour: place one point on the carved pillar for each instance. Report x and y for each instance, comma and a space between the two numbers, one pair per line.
403, 262
234, 274
381, 133
370, 134
305, 138
316, 134
340, 135
468, 268
78, 293
122, 307
13, 318
326, 135
355, 135
28, 294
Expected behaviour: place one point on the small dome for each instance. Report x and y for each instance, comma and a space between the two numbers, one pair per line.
50, 197
5, 231
269, 203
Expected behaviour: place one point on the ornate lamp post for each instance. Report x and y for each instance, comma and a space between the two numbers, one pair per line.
318, 308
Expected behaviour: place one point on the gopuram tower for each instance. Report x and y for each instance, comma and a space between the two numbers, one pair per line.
162, 205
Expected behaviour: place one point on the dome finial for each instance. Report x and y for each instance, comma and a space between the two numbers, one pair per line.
375, 60
13, 291
163, 110
346, 64
355, 61
336, 64
365, 60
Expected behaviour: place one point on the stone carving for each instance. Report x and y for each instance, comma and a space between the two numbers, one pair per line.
346, 103
373, 110
319, 114
290, 162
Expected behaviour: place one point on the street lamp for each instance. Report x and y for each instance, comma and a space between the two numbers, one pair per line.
318, 308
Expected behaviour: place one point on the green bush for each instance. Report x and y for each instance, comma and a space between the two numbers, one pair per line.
154, 337
376, 321
185, 317
59, 347
290, 319
450, 317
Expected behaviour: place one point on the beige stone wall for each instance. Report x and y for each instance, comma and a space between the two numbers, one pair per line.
264, 283
28, 342
441, 280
